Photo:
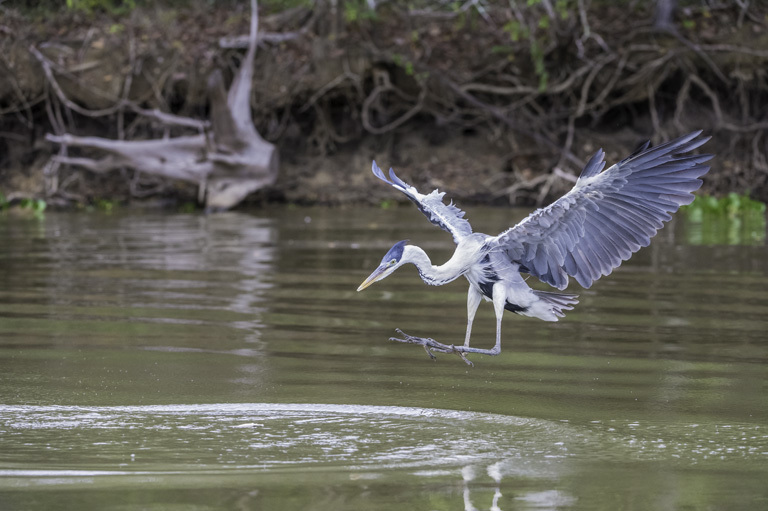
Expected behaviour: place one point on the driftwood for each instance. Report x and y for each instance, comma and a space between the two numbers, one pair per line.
228, 159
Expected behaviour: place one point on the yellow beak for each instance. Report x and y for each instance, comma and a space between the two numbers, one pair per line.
377, 274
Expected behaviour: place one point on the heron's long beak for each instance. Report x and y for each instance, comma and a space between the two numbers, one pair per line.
377, 274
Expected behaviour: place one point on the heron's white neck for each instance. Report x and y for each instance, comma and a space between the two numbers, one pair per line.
431, 274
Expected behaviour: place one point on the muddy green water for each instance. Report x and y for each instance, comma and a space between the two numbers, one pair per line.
160, 361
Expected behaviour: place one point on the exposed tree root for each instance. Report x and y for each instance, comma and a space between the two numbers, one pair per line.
542, 81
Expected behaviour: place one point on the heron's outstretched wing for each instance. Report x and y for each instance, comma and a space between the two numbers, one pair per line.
445, 216
607, 216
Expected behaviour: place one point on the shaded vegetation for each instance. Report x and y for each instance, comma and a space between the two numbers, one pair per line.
481, 98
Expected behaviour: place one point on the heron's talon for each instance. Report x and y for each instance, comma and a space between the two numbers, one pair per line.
460, 353
430, 346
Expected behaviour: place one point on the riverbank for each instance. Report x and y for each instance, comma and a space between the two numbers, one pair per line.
484, 103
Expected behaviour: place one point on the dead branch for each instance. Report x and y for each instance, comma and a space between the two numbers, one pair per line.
375, 96
53, 82
242, 41
162, 117
231, 162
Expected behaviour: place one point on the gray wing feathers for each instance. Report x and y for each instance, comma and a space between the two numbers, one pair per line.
445, 216
607, 216
595, 165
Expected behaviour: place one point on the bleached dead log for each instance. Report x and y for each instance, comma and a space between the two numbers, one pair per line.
230, 162
250, 162
175, 158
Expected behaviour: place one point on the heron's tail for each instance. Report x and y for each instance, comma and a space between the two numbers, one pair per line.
556, 303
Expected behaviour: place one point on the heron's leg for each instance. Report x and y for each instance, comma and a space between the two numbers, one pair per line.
499, 301
473, 301
431, 345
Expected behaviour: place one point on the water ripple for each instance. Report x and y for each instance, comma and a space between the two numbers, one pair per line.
107, 440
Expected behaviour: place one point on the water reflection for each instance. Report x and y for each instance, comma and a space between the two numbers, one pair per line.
468, 474
148, 262
171, 284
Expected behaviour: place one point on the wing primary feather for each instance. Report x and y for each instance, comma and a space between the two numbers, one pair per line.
601, 246
626, 232
609, 214
667, 151
396, 179
617, 241
642, 147
594, 165
378, 173
586, 274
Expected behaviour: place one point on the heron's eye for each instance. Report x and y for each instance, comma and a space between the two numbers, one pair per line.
393, 261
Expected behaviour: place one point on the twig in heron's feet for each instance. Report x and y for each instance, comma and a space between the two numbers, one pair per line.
425, 343
431, 345
464, 358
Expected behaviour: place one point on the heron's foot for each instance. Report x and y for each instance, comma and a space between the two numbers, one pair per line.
431, 345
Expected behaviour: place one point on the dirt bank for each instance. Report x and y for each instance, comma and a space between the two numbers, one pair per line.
484, 100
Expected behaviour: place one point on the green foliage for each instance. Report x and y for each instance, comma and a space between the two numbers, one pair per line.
731, 220
537, 29
516, 30
105, 205
730, 206
33, 207
403, 62
562, 8
503, 49
188, 207
537, 55
282, 5
110, 6
357, 10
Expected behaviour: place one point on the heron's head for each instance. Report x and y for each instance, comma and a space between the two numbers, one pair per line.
389, 263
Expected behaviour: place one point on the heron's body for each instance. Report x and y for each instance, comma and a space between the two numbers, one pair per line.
585, 234
487, 270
